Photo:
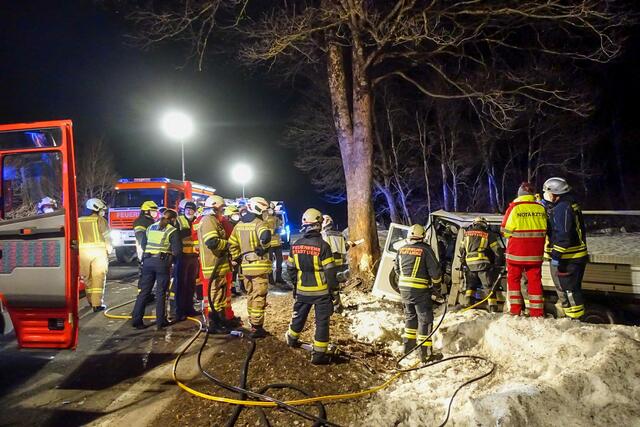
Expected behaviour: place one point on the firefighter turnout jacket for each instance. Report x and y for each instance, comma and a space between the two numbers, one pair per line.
338, 245
185, 231
162, 241
250, 239
93, 232
525, 225
480, 248
417, 267
140, 226
213, 247
311, 263
567, 233
274, 224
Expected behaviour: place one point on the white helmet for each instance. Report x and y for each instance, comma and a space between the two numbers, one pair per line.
257, 205
47, 201
214, 201
327, 222
95, 205
556, 186
480, 220
416, 232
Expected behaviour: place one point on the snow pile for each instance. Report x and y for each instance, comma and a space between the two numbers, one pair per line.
548, 372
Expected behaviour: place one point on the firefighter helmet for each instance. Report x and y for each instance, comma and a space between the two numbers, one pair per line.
480, 220
95, 205
327, 222
44, 202
416, 232
214, 201
186, 203
149, 205
556, 186
257, 205
311, 217
231, 210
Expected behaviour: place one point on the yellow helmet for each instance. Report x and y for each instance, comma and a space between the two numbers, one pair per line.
312, 217
416, 232
230, 210
214, 201
149, 205
257, 205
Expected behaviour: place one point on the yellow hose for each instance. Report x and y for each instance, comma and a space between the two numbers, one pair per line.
221, 399
477, 304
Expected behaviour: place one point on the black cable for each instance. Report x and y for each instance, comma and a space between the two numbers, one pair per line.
244, 373
322, 413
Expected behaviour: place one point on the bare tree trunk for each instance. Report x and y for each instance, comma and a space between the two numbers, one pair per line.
385, 190
422, 137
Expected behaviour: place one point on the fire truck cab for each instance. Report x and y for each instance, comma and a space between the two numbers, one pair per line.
38, 247
132, 192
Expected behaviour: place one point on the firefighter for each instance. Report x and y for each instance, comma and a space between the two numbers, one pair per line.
186, 271
249, 246
214, 262
95, 246
339, 247
311, 269
226, 217
161, 246
148, 215
418, 273
46, 205
480, 256
275, 249
525, 225
568, 245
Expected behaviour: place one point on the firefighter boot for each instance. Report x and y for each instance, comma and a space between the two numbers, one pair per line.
291, 341
427, 354
492, 306
409, 345
257, 332
466, 299
320, 358
215, 324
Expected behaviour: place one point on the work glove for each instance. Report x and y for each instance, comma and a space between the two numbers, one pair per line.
260, 251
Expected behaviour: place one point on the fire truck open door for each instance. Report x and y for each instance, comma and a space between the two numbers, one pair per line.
38, 247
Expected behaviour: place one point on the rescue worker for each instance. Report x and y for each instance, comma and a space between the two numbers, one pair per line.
568, 244
339, 247
275, 249
481, 255
228, 224
95, 246
161, 246
214, 262
186, 271
148, 215
249, 246
232, 214
311, 269
46, 205
418, 273
525, 225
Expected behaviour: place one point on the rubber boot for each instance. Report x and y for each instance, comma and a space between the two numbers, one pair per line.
320, 358
409, 345
427, 354
257, 332
215, 324
465, 300
291, 341
493, 305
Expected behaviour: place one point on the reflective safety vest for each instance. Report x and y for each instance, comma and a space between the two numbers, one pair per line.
210, 230
245, 238
311, 256
338, 245
417, 267
567, 233
158, 241
525, 225
274, 225
93, 232
479, 248
188, 245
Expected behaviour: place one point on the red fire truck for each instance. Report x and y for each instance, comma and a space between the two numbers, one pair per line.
132, 192
38, 251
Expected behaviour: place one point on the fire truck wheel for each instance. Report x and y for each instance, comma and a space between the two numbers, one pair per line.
126, 255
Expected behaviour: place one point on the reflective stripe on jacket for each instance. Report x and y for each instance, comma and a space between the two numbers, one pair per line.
525, 224
338, 245
212, 245
567, 233
480, 248
185, 229
312, 258
159, 241
417, 267
246, 237
273, 222
93, 232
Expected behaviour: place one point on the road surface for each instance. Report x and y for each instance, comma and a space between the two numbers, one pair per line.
117, 375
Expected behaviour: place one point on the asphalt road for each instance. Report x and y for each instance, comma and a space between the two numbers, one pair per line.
117, 374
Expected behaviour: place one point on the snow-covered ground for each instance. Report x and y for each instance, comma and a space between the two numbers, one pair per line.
548, 372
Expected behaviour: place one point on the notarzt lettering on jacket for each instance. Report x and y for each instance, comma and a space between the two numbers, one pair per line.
305, 250
531, 214
411, 251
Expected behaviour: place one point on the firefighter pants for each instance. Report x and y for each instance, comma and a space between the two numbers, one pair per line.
184, 284
257, 288
154, 270
217, 294
275, 253
534, 288
478, 280
569, 277
228, 310
323, 310
94, 264
418, 316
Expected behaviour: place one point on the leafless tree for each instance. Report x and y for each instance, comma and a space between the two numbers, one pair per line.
96, 172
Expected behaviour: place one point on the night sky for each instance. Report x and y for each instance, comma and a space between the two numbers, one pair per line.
71, 59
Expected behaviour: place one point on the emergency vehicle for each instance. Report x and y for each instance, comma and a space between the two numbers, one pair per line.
38, 251
280, 212
132, 192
